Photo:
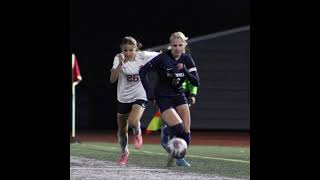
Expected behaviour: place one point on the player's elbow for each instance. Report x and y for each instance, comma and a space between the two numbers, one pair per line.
195, 83
112, 81
142, 73
113, 78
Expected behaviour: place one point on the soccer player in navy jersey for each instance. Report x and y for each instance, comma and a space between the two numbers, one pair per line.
173, 67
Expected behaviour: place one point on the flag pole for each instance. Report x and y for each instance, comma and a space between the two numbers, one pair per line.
73, 140
73, 111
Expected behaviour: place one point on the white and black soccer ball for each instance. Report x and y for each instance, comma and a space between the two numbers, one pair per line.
178, 147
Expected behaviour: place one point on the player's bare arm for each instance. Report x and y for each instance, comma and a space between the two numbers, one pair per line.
115, 72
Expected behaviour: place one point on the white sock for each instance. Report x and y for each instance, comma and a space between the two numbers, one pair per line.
136, 130
123, 140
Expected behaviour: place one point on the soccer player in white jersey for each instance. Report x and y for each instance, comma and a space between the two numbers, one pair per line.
131, 95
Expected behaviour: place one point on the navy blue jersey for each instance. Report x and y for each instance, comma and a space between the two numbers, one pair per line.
170, 78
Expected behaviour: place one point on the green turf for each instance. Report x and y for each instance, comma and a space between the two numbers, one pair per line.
217, 160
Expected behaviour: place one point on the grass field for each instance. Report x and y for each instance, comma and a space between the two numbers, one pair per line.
214, 160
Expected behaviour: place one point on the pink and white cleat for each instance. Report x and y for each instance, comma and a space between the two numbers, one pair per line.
137, 140
123, 160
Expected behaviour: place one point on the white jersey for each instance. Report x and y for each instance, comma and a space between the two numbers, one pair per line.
129, 87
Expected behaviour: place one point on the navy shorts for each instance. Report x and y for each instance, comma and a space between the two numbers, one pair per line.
125, 108
166, 102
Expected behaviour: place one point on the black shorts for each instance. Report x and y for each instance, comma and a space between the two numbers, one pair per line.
166, 102
125, 108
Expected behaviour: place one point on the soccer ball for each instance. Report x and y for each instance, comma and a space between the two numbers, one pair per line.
178, 147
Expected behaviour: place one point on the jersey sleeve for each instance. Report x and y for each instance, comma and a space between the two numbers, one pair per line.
190, 65
190, 71
150, 66
149, 55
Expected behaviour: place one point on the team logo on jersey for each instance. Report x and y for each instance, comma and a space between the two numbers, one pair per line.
175, 74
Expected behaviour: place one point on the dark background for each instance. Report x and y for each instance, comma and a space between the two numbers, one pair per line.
96, 28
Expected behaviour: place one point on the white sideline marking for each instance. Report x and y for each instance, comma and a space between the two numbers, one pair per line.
149, 152
115, 168
224, 159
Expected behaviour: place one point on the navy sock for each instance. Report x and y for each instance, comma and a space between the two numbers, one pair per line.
186, 137
175, 130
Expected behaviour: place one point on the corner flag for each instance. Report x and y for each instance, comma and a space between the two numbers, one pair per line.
76, 78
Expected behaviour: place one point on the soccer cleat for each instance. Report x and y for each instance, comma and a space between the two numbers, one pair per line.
182, 162
123, 160
164, 140
138, 141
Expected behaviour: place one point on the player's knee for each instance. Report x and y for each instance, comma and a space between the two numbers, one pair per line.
133, 120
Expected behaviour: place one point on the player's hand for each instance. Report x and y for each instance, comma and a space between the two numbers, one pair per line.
121, 59
192, 100
180, 66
